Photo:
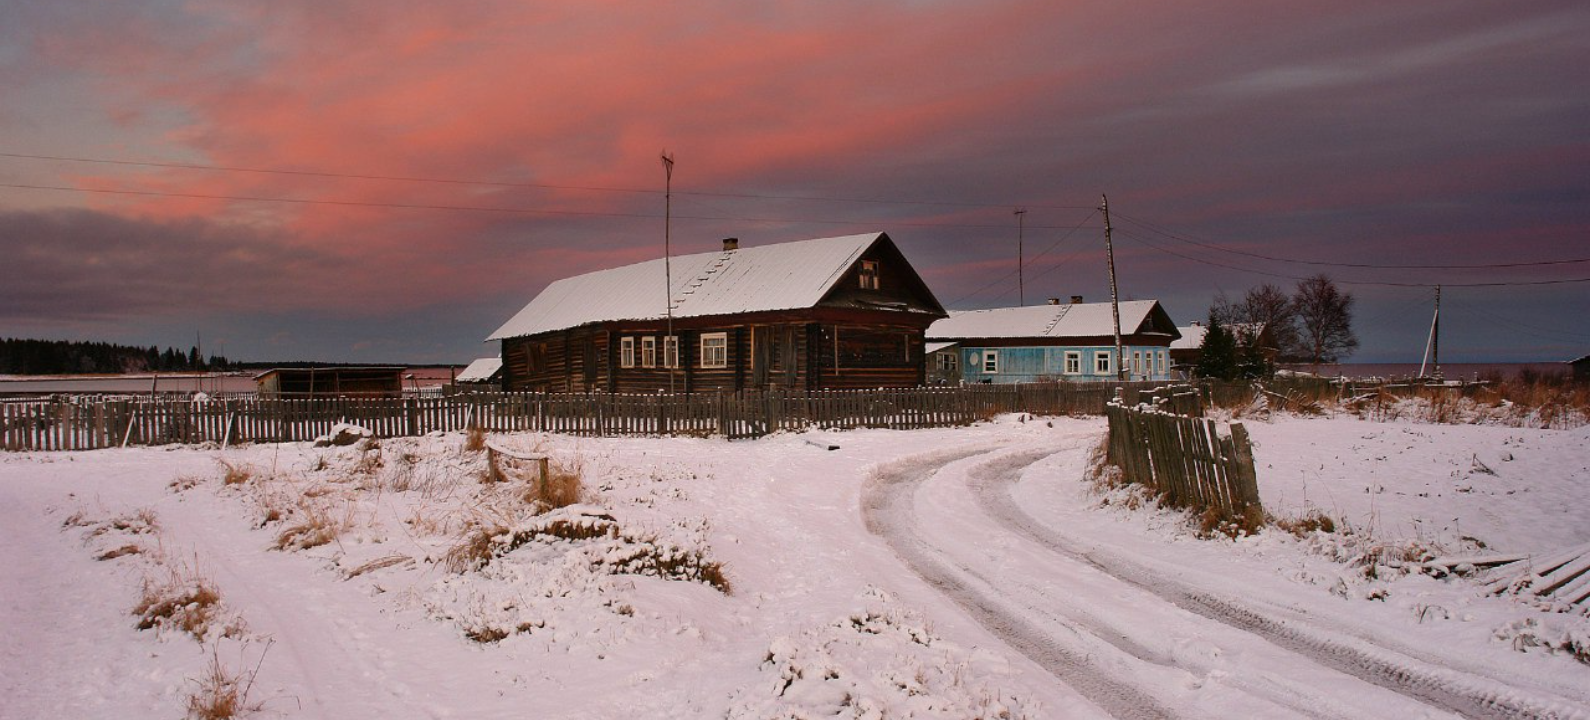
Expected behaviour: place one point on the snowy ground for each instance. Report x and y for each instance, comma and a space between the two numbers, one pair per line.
954, 573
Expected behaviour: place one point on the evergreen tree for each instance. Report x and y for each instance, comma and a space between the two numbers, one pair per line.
1219, 353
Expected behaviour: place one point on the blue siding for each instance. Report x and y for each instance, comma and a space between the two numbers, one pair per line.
1032, 364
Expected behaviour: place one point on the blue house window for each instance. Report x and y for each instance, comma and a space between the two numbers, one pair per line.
1073, 364
1101, 363
990, 361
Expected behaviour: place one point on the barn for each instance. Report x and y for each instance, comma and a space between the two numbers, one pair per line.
840, 312
1072, 341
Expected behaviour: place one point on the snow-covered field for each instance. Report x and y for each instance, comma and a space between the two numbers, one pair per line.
956, 573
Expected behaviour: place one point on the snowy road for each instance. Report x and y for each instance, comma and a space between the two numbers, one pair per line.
1136, 640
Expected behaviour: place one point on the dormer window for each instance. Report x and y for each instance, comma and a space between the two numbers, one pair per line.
869, 274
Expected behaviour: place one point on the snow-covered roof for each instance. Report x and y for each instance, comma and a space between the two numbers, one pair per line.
480, 370
934, 347
785, 276
1043, 321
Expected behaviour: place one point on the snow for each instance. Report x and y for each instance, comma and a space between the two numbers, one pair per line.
784, 276
947, 573
480, 370
1042, 321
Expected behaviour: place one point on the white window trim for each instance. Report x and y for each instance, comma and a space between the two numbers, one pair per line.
626, 352
1137, 362
670, 352
715, 355
1103, 362
1071, 355
648, 351
990, 362
948, 361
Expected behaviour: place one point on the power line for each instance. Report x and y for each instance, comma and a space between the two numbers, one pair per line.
506, 184
1514, 283
1374, 266
491, 209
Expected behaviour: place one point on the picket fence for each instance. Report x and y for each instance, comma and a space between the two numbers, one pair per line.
1185, 459
93, 422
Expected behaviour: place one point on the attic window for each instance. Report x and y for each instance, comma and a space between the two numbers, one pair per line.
869, 274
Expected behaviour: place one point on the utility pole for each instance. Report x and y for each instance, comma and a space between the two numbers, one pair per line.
1115, 301
1432, 347
1021, 283
668, 273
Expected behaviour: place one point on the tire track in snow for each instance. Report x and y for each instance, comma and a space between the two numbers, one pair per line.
1448, 688
887, 513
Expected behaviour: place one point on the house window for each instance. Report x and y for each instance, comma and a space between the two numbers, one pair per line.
947, 361
1159, 366
990, 361
715, 350
869, 274
670, 358
648, 351
626, 352
1102, 364
1073, 364
1137, 362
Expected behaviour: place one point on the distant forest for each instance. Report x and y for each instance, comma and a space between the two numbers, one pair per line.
51, 357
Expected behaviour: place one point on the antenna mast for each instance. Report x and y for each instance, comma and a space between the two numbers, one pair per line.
1021, 284
668, 273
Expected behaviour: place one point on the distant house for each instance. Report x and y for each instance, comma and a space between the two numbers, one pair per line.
841, 312
1581, 369
374, 381
483, 372
1187, 350
1074, 341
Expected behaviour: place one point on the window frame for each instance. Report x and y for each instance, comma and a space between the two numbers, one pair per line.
949, 362
990, 362
670, 351
648, 351
869, 274
1103, 362
714, 350
626, 352
1072, 363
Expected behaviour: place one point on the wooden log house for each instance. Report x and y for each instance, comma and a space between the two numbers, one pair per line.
842, 312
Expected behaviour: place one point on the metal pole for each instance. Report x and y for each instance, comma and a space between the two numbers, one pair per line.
1021, 284
1115, 303
668, 273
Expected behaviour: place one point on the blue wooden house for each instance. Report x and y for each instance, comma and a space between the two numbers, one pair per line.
1074, 342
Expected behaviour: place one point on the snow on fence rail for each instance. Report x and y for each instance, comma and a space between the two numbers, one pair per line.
88, 423
1185, 459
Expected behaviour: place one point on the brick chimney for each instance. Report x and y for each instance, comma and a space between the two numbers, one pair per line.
1076, 299
731, 244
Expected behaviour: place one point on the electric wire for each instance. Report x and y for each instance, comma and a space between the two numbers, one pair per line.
1011, 274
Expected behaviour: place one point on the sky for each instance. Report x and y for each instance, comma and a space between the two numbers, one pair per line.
380, 181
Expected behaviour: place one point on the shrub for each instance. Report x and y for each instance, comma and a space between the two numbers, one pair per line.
222, 694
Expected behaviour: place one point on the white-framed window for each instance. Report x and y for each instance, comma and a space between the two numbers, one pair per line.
1073, 364
715, 350
626, 352
990, 361
948, 361
869, 274
1159, 365
1137, 362
648, 351
1102, 364
670, 358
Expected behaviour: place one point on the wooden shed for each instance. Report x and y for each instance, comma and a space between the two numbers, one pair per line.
331, 381
842, 312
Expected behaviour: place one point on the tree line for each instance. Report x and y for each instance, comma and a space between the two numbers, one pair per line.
1246, 337
54, 357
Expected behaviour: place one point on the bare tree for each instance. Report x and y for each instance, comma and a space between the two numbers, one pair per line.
1266, 308
1325, 319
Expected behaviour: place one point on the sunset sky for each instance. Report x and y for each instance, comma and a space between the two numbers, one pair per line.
389, 181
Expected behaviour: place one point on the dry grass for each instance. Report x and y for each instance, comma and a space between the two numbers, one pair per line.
475, 440
1308, 524
377, 564
185, 601
1214, 521
236, 474
564, 486
316, 526
143, 522
122, 551
221, 694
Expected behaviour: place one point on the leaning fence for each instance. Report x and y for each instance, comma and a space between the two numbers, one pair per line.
90, 422
1185, 459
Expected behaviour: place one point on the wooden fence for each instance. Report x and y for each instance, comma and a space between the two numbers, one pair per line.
90, 422
1186, 460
